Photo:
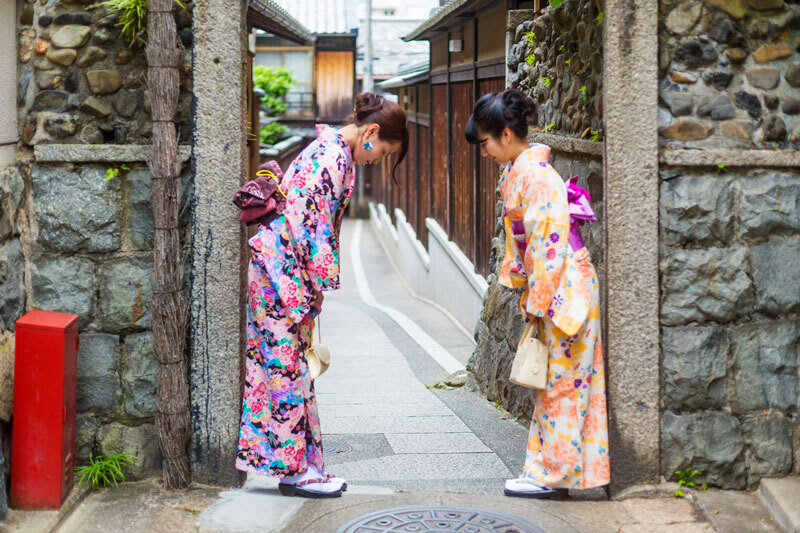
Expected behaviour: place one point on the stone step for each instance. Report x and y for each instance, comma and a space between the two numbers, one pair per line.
782, 498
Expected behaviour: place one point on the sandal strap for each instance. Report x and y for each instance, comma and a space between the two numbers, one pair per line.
310, 481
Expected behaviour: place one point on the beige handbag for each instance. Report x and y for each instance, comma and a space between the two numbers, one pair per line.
530, 362
318, 357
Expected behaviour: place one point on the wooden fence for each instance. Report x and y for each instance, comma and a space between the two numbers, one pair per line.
443, 177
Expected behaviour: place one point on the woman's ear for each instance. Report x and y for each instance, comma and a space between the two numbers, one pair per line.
508, 136
372, 130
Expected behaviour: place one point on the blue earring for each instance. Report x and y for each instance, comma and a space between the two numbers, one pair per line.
368, 145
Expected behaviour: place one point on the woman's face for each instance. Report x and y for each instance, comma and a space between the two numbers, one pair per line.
497, 148
380, 148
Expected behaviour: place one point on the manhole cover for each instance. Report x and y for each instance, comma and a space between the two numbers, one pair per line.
438, 519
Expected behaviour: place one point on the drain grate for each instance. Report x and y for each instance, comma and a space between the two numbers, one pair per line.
438, 519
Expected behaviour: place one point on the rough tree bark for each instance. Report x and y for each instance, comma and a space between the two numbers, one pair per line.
168, 309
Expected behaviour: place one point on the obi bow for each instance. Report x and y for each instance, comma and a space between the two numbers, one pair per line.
580, 211
262, 199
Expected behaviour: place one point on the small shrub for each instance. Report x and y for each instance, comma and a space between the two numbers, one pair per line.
550, 127
531, 60
272, 133
275, 82
104, 470
547, 81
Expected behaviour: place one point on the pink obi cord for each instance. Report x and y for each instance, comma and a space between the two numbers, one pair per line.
580, 211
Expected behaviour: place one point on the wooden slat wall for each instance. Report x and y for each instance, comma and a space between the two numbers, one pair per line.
422, 189
334, 74
439, 119
473, 206
489, 175
463, 171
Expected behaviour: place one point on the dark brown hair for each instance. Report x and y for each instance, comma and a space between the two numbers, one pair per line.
495, 112
373, 108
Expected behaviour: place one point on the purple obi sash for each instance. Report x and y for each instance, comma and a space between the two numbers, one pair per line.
580, 211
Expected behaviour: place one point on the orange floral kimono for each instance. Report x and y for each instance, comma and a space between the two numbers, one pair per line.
568, 440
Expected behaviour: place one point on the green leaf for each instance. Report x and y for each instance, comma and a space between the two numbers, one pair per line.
679, 494
556, 3
123, 166
111, 173
599, 18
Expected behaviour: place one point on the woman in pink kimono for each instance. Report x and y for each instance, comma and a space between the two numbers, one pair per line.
295, 260
568, 440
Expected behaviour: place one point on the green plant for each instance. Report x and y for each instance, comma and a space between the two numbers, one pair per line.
272, 133
530, 37
111, 173
275, 82
721, 168
547, 81
550, 127
531, 60
584, 93
104, 470
679, 494
568, 61
686, 476
596, 136
599, 18
556, 3
132, 18
562, 48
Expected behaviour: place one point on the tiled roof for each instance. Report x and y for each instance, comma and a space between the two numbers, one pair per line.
269, 16
323, 16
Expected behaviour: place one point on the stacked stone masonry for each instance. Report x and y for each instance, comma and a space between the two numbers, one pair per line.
729, 74
72, 240
80, 82
557, 58
730, 329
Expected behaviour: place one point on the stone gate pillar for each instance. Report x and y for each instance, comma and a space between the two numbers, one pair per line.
220, 44
630, 81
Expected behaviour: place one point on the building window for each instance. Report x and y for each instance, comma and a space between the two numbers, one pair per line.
388, 12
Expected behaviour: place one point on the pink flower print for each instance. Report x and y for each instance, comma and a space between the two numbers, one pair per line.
551, 254
291, 288
292, 302
328, 259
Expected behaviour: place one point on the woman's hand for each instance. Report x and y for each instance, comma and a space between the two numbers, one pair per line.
318, 297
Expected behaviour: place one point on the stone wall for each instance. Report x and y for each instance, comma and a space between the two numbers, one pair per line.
730, 334
79, 82
561, 65
72, 240
729, 74
730, 240
573, 27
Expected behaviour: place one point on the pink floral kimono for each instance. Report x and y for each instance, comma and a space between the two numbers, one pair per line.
568, 440
295, 255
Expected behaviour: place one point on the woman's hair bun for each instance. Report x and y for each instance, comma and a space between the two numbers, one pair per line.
366, 105
494, 112
517, 104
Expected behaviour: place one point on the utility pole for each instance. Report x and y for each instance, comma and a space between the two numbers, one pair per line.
368, 49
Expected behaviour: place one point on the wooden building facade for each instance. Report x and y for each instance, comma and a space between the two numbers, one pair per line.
444, 177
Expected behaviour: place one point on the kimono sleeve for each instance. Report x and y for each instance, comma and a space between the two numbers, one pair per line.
311, 207
512, 272
546, 219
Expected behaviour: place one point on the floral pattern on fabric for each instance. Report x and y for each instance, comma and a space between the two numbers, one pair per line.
568, 440
295, 255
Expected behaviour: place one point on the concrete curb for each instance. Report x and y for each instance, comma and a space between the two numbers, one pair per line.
782, 498
45, 521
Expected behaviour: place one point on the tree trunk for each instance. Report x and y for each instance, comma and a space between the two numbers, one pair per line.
168, 309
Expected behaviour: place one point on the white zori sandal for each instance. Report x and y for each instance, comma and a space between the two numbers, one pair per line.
312, 484
526, 488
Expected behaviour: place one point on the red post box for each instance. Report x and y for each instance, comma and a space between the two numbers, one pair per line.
43, 428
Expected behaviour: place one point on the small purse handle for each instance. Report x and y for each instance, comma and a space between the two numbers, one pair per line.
535, 321
319, 332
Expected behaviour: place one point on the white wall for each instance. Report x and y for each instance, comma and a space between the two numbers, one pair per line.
442, 273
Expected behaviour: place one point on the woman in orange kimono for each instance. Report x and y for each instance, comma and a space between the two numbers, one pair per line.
568, 440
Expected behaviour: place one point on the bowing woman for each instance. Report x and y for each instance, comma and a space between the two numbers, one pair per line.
568, 440
295, 260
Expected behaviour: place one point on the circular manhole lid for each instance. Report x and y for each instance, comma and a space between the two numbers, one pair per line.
439, 519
